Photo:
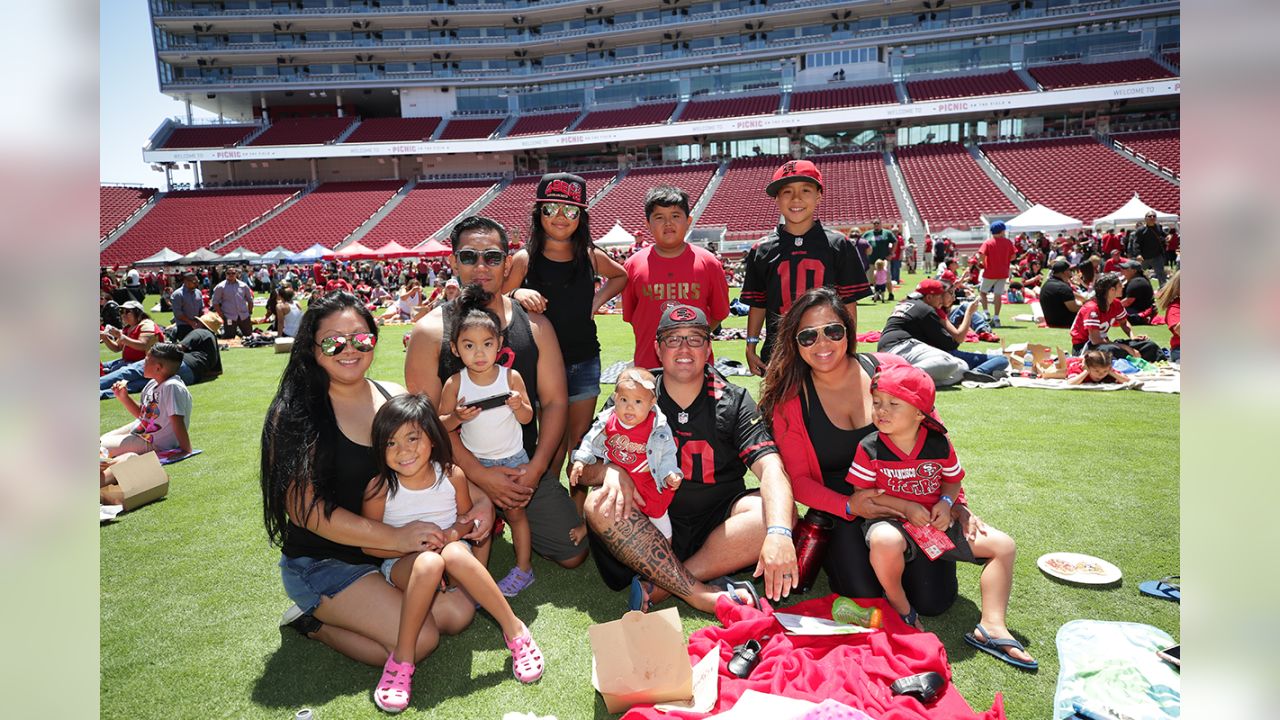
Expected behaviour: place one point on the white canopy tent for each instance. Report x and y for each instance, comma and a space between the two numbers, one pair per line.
163, 257
1042, 219
616, 237
275, 256
241, 254
1134, 211
311, 254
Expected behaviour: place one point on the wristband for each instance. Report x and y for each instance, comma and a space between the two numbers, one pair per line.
778, 530
947, 499
848, 509
753, 341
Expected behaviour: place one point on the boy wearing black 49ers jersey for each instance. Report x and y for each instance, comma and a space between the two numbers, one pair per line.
797, 256
911, 459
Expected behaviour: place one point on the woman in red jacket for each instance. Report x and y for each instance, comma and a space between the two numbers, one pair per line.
817, 394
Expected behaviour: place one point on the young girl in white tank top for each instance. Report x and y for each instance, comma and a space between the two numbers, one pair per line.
417, 482
493, 435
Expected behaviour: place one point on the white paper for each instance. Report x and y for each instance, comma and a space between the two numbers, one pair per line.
754, 704
109, 512
706, 688
805, 625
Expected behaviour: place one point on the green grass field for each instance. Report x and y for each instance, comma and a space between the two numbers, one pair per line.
190, 591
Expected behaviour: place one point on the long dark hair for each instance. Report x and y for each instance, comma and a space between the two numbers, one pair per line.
473, 311
301, 430
786, 369
580, 239
394, 413
1102, 285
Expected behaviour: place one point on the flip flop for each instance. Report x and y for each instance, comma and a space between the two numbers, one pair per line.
996, 647
1166, 588
638, 599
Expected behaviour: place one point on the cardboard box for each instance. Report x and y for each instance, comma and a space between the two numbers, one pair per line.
284, 344
141, 479
641, 658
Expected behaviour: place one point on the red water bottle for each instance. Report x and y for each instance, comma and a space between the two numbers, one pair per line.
810, 535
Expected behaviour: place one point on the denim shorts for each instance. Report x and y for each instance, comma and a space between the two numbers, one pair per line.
583, 379
306, 579
514, 461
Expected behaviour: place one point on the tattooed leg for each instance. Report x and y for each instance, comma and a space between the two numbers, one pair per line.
635, 542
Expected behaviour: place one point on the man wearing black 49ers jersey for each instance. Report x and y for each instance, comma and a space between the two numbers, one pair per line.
717, 526
797, 256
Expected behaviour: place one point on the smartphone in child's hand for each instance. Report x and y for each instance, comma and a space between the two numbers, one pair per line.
489, 403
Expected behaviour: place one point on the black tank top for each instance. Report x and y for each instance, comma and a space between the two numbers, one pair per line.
519, 352
353, 468
569, 291
834, 446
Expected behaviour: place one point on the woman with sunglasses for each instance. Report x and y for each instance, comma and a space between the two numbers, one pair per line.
817, 396
555, 275
317, 459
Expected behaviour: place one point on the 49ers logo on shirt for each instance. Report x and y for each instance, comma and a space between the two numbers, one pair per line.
929, 469
682, 313
623, 450
565, 189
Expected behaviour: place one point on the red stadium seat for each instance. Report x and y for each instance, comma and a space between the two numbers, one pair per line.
327, 215
1001, 83
843, 97
948, 187
303, 131
1052, 77
207, 136
731, 107
1080, 176
514, 205
627, 117
625, 202
542, 124
116, 204
394, 130
470, 128
1162, 147
426, 209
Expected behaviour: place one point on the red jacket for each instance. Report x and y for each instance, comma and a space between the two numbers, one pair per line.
800, 459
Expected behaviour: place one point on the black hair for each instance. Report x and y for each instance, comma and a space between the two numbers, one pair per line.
170, 354
474, 312
286, 293
477, 223
300, 432
665, 196
787, 371
394, 414
580, 240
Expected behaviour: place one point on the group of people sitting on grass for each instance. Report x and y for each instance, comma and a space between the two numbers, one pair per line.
382, 496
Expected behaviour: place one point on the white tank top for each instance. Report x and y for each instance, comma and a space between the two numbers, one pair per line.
292, 320
437, 504
493, 434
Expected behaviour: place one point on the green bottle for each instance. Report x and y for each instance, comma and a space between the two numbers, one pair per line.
845, 610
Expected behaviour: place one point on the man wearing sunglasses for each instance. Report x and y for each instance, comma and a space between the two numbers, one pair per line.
529, 346
718, 527
916, 332
797, 256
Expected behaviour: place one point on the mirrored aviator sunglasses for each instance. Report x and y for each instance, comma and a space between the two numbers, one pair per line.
570, 211
809, 336
361, 341
492, 258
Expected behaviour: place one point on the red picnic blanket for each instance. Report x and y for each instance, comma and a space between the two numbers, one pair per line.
856, 670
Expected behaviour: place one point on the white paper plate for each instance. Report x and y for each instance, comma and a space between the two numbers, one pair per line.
1078, 568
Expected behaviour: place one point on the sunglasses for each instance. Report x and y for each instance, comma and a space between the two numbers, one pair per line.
569, 211
361, 341
492, 258
675, 341
808, 336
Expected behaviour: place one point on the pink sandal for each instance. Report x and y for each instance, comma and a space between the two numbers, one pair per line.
526, 657
392, 693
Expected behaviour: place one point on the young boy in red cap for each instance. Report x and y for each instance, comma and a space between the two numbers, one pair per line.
910, 457
796, 257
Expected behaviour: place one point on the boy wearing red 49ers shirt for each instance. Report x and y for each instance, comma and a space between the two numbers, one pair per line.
634, 435
912, 460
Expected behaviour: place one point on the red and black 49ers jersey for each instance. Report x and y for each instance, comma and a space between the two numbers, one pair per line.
782, 267
916, 475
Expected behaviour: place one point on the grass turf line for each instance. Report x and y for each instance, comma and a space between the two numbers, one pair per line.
190, 592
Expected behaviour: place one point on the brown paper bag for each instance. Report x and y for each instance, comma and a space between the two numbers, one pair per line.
640, 658
141, 479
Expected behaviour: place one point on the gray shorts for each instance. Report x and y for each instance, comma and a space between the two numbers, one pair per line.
960, 553
996, 286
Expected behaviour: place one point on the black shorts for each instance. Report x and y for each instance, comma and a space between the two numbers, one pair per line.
931, 587
686, 539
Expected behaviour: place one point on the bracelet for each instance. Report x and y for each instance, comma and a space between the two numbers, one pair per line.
778, 530
848, 509
948, 500
753, 341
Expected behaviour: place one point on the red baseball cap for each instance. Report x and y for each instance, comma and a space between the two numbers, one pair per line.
929, 286
791, 171
913, 386
948, 277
